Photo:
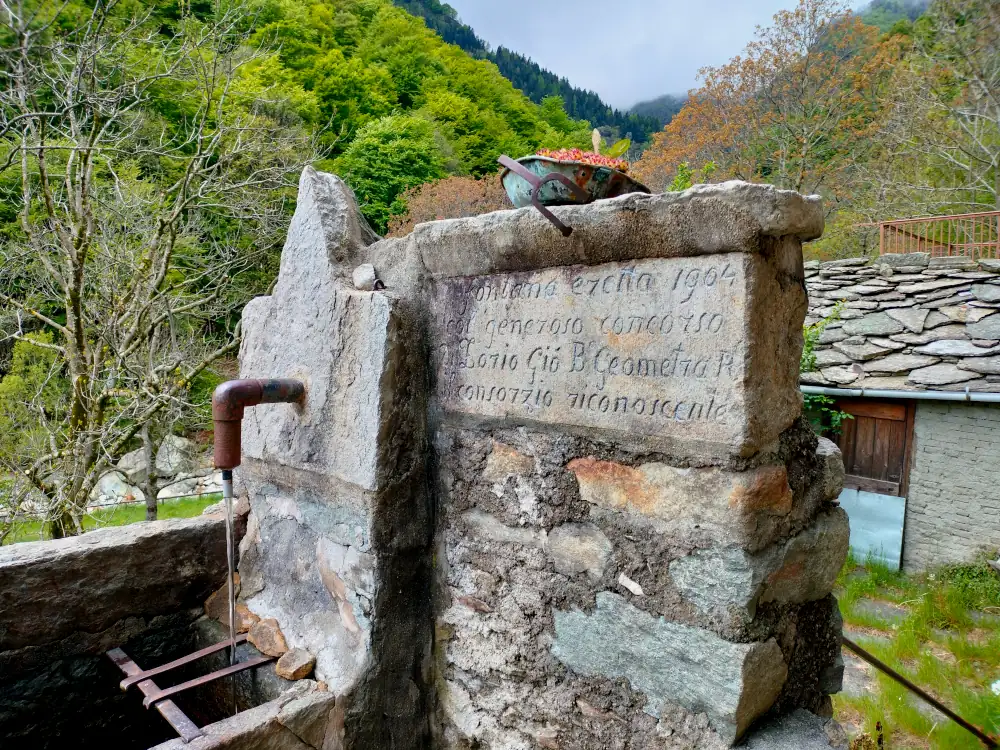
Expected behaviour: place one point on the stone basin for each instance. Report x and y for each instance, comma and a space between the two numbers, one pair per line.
64, 603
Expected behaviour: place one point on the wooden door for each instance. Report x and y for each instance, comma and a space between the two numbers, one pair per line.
876, 444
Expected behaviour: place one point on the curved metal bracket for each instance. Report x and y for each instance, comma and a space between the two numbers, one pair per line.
537, 182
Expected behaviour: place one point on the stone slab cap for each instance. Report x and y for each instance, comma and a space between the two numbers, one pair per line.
302, 719
733, 683
705, 219
85, 584
904, 259
741, 508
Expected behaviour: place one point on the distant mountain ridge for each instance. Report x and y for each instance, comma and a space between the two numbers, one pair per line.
643, 119
885, 14
535, 81
662, 108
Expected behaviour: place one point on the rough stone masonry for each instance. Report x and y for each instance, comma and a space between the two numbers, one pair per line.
549, 492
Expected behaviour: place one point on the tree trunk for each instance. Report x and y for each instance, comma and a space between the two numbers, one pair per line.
62, 525
151, 485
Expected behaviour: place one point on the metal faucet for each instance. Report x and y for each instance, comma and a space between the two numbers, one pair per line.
228, 403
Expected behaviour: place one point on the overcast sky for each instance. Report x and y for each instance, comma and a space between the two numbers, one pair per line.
625, 50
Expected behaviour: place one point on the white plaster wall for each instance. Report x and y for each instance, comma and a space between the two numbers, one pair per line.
953, 504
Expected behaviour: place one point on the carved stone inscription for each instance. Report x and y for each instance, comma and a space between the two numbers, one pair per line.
654, 347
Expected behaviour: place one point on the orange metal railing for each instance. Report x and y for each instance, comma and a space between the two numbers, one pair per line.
970, 235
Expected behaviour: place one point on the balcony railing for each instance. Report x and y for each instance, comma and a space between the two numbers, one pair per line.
970, 235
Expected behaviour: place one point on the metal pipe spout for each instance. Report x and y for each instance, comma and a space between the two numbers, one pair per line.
228, 403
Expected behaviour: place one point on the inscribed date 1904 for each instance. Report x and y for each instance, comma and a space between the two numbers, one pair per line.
654, 347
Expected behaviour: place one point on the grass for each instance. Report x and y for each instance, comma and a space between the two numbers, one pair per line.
122, 515
946, 640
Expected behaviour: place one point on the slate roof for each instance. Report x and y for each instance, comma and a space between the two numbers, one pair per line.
908, 322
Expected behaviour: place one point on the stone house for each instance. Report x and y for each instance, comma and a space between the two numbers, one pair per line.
913, 354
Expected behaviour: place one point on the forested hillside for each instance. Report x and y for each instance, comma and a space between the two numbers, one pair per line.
443, 19
885, 14
149, 153
394, 104
662, 108
148, 161
882, 124
531, 78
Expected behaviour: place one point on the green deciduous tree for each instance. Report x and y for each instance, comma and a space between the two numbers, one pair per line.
150, 186
33, 394
145, 157
364, 60
388, 157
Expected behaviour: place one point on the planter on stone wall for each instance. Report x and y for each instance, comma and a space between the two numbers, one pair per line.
543, 181
596, 181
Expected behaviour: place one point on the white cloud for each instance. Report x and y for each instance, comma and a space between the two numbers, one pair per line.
628, 50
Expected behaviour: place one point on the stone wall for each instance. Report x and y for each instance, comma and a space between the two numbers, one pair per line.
544, 491
907, 322
338, 538
635, 545
953, 507
63, 603
142, 588
915, 323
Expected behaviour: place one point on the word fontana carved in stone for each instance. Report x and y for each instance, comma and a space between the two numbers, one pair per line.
652, 346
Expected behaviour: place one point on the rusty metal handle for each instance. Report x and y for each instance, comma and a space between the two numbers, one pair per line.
537, 182
924, 695
515, 167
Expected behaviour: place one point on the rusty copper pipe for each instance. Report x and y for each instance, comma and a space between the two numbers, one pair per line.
228, 403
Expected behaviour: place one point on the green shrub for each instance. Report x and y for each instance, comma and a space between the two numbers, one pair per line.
977, 586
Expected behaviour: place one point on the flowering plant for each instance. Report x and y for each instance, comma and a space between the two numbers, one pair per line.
587, 157
612, 159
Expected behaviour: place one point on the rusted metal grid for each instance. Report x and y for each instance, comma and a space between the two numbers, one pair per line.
969, 235
155, 696
184, 727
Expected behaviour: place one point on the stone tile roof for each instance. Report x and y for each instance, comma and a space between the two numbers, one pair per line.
907, 322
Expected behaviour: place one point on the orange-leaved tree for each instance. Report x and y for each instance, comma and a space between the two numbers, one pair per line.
796, 109
451, 198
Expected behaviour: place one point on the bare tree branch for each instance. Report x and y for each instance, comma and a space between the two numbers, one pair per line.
122, 261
